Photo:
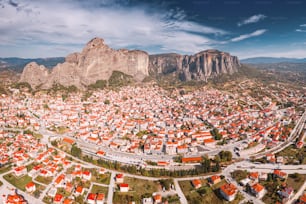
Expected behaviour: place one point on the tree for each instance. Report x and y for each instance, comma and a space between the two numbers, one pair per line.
76, 152
226, 156
216, 134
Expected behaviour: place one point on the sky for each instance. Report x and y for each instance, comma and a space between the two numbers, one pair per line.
245, 28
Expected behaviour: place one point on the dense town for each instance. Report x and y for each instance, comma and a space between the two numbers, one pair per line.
243, 145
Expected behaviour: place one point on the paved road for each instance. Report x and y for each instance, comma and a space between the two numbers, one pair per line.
111, 188
180, 193
298, 194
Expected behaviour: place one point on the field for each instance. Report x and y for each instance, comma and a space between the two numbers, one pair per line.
99, 189
44, 180
19, 183
138, 189
205, 194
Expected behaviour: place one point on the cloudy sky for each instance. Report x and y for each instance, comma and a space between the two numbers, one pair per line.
41, 28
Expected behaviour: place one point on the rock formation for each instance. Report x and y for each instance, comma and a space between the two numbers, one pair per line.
97, 61
201, 66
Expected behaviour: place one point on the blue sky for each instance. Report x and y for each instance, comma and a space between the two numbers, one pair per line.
33, 28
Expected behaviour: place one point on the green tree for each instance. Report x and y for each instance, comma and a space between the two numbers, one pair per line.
76, 152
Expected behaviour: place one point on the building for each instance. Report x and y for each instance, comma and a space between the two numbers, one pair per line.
191, 159
228, 191
119, 178
214, 179
257, 190
124, 187
196, 183
30, 187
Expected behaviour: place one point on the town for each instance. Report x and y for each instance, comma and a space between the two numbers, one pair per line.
145, 144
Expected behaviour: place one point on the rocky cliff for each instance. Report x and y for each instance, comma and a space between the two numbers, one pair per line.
97, 61
201, 66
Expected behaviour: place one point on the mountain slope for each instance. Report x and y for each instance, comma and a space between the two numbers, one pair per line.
260, 60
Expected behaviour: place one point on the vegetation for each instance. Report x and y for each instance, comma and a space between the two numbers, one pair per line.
99, 189
44, 180
293, 155
119, 79
216, 134
238, 175
76, 151
100, 84
19, 182
225, 156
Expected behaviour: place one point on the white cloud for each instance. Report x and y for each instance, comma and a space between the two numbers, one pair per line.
56, 28
300, 30
245, 36
303, 25
252, 19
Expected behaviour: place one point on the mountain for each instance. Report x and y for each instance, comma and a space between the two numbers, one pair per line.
97, 62
264, 60
199, 67
17, 64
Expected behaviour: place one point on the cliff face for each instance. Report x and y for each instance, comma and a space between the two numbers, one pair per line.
97, 61
201, 66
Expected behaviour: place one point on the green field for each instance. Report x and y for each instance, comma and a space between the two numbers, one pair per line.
205, 194
19, 183
138, 189
99, 189
44, 180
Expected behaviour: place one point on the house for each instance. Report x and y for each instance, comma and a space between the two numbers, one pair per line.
191, 159
58, 198
157, 198
279, 174
244, 182
15, 198
119, 178
52, 192
20, 171
196, 183
254, 176
100, 198
299, 144
286, 193
67, 201
79, 191
214, 179
59, 181
257, 190
302, 199
30, 187
86, 175
228, 191
124, 187
68, 141
91, 198
147, 201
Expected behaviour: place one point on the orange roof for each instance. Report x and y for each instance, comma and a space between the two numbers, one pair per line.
29, 185
214, 178
79, 189
91, 196
191, 159
303, 198
123, 185
162, 163
157, 197
209, 141
196, 182
58, 198
100, 196
254, 175
68, 140
257, 187
67, 201
229, 189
